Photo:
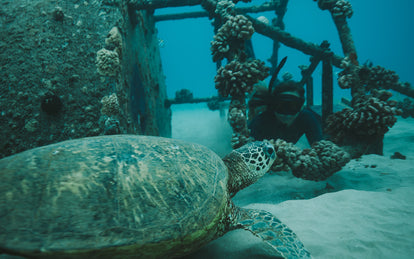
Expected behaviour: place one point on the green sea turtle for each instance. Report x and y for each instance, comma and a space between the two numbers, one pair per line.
128, 196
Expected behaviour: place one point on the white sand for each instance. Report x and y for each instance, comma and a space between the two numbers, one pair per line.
369, 213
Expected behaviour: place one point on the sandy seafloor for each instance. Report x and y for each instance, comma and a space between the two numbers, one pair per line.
368, 212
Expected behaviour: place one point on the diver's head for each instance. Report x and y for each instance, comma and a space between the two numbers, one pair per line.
288, 99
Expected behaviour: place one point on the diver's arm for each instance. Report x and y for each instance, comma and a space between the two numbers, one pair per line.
313, 128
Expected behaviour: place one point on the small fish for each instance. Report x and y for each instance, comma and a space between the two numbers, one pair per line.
161, 43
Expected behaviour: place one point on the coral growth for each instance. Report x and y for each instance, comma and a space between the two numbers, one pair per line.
348, 77
372, 116
239, 75
111, 126
238, 78
407, 107
183, 95
342, 8
346, 81
225, 9
374, 77
237, 120
368, 77
114, 40
107, 62
316, 164
229, 40
110, 105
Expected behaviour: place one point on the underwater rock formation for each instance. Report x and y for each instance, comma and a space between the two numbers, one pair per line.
318, 163
238, 78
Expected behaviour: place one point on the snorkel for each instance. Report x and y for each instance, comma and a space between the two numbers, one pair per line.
286, 105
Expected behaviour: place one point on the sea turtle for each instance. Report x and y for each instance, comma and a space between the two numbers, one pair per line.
129, 196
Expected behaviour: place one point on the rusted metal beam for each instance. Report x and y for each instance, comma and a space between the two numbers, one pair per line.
290, 41
200, 14
155, 4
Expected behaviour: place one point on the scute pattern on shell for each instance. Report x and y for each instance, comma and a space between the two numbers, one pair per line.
132, 191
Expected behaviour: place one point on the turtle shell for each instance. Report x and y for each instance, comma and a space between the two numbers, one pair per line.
111, 196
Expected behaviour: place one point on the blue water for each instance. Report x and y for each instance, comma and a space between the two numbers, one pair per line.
382, 32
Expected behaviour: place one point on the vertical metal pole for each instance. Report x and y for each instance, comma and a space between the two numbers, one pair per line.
327, 87
309, 92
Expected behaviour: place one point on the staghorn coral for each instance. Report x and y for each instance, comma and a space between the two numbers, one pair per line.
107, 62
238, 78
229, 40
372, 116
342, 8
316, 164
110, 105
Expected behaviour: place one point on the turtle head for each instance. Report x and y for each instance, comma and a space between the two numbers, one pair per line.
248, 163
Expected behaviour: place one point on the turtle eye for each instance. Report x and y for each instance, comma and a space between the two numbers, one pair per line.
270, 150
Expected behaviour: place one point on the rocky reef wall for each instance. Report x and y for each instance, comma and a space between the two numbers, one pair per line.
74, 69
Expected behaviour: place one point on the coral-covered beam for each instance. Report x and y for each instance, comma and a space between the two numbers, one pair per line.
340, 11
404, 88
251, 9
291, 41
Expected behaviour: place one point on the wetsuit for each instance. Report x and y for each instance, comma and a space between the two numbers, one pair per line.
267, 126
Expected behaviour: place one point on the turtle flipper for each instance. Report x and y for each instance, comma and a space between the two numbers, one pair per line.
266, 226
